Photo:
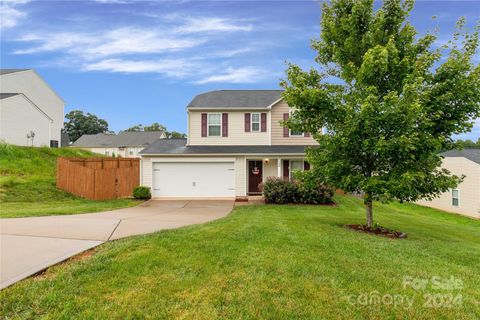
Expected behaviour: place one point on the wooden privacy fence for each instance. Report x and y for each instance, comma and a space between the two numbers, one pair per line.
98, 178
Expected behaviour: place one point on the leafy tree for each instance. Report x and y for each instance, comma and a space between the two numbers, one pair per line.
80, 123
468, 144
176, 135
158, 127
153, 127
135, 128
388, 102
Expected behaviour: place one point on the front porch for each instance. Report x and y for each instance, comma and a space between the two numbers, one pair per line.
258, 169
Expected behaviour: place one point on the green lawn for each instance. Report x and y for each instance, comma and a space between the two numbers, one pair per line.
27, 184
270, 262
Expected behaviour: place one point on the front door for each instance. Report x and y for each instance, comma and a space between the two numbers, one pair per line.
255, 174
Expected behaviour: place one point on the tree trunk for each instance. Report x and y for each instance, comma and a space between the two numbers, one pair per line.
369, 209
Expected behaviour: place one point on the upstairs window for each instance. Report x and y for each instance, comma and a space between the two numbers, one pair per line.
214, 124
296, 133
455, 197
255, 122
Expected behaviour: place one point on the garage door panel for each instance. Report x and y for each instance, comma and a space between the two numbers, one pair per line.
194, 179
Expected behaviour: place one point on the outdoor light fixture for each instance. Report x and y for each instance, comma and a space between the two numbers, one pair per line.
267, 160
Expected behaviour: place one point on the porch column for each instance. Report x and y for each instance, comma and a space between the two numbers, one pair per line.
279, 167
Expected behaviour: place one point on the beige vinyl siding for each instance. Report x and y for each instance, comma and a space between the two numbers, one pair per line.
236, 130
277, 130
240, 176
146, 171
469, 189
36, 89
270, 169
18, 117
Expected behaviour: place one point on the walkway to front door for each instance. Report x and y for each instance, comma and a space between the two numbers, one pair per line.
255, 176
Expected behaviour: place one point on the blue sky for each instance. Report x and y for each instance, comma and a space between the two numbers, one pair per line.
136, 62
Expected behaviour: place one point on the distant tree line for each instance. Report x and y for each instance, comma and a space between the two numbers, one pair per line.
79, 123
468, 144
158, 127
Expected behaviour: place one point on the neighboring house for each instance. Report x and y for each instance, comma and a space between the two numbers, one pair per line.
465, 199
235, 141
126, 144
65, 140
31, 113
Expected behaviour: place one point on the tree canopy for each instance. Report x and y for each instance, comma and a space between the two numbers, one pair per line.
468, 144
387, 100
158, 127
80, 123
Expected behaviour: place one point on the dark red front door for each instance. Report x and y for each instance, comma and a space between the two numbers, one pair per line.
255, 174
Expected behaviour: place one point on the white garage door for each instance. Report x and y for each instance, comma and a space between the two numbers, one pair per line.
193, 179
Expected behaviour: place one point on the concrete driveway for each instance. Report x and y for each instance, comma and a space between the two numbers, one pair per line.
29, 245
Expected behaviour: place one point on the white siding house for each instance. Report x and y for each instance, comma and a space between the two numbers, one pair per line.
126, 144
465, 198
31, 113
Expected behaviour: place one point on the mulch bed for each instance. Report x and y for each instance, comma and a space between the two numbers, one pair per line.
378, 231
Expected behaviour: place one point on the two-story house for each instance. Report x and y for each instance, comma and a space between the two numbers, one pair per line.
31, 112
235, 141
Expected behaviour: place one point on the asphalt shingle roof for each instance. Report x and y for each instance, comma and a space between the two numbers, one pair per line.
7, 95
178, 146
123, 139
94, 140
470, 154
7, 71
245, 99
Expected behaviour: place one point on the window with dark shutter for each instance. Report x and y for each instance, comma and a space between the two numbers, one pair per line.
204, 124
263, 121
247, 122
286, 132
224, 124
306, 166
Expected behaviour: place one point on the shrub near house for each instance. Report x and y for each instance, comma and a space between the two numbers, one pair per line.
142, 193
304, 190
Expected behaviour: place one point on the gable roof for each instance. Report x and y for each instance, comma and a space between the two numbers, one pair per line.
179, 147
7, 71
123, 139
470, 154
137, 138
94, 140
8, 95
235, 99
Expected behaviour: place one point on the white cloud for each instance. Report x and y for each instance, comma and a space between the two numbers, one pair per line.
212, 24
232, 52
10, 15
191, 49
170, 67
56, 41
112, 1
120, 41
235, 75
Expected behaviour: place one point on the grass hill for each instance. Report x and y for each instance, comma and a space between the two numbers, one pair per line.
27, 183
